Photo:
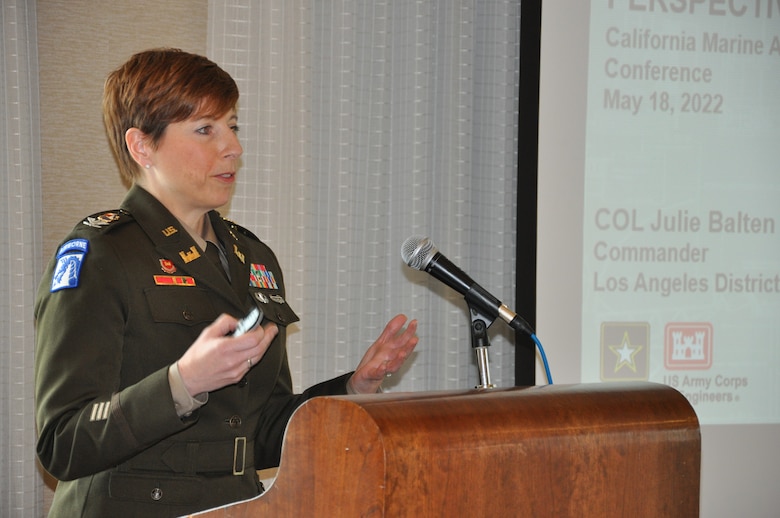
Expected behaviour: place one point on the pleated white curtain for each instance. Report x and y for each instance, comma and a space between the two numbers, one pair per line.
365, 122
20, 248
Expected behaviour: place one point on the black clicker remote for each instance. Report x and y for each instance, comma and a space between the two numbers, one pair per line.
249, 322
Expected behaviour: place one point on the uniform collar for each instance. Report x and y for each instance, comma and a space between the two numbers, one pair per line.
174, 243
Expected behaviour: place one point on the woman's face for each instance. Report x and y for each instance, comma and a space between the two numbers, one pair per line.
193, 168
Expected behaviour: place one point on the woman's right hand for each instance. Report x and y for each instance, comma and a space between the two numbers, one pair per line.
217, 359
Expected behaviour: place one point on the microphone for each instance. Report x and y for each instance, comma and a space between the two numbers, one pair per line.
421, 254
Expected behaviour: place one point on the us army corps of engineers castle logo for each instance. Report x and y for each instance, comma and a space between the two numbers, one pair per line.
688, 346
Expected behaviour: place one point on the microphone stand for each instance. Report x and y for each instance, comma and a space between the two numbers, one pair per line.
480, 343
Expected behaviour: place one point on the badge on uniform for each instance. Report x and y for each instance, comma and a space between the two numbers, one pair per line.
167, 266
261, 277
70, 256
102, 220
174, 280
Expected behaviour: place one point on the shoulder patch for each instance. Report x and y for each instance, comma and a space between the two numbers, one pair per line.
70, 257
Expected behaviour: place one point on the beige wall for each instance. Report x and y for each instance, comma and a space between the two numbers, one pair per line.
79, 43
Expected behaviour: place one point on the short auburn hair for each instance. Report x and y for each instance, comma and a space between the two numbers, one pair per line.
155, 88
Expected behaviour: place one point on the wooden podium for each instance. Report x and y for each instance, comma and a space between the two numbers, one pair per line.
600, 450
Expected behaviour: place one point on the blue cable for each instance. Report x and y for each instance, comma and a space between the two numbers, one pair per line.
544, 358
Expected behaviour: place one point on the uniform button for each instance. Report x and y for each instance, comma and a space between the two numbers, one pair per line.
156, 494
234, 421
187, 314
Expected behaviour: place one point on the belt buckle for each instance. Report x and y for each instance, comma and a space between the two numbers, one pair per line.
239, 451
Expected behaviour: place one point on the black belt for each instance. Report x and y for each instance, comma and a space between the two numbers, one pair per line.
231, 456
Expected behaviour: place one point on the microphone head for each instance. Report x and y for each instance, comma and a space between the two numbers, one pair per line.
417, 252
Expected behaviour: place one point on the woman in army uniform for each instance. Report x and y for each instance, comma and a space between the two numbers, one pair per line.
147, 403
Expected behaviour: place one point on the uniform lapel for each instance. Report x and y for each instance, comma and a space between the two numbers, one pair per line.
236, 255
174, 243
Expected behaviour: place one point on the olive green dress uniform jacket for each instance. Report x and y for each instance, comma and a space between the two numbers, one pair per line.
127, 293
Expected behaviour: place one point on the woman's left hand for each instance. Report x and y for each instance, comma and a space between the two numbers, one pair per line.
385, 356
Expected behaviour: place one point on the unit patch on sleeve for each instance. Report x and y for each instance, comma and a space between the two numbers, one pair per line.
70, 256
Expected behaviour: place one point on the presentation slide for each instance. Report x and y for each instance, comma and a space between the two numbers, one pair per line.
681, 207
